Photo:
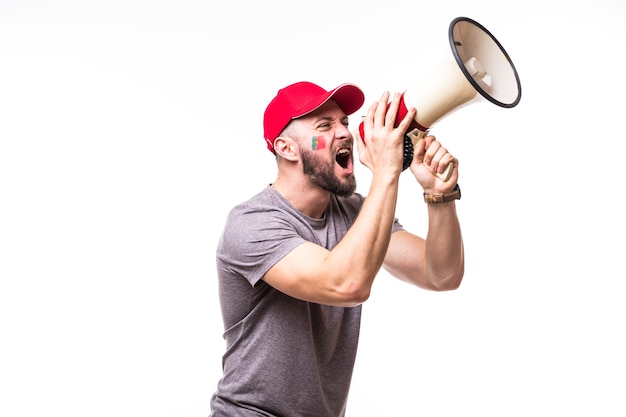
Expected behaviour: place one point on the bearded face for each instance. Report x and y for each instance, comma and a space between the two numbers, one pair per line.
321, 171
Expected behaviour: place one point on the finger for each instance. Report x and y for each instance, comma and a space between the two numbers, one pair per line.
392, 110
381, 109
442, 159
445, 161
408, 118
429, 139
368, 122
432, 147
419, 151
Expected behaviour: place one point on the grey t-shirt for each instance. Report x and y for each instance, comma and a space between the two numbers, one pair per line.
284, 357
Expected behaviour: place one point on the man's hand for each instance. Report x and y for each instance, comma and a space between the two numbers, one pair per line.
383, 145
430, 158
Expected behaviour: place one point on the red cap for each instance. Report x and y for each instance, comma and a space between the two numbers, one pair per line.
299, 99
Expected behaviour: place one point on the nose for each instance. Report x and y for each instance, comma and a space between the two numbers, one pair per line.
343, 132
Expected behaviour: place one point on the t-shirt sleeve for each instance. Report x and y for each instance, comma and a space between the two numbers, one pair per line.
254, 240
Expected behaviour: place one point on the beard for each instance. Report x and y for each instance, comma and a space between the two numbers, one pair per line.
321, 172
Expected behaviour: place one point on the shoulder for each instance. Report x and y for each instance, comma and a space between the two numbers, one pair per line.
263, 201
264, 212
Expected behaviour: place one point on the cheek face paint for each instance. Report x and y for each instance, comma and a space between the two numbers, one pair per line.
318, 142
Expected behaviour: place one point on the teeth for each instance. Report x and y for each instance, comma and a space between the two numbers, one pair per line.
342, 151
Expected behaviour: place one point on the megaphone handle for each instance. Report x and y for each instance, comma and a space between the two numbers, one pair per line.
417, 134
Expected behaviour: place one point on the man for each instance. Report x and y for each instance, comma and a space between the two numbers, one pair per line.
296, 262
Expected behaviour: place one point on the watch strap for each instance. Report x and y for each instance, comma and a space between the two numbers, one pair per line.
443, 198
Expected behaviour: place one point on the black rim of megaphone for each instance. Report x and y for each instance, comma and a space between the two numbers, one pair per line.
469, 76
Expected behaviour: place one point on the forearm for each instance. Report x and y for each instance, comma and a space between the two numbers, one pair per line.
444, 247
362, 250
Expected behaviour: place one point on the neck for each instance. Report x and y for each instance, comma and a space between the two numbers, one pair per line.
308, 198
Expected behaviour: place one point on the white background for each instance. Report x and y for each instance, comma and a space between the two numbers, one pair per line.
129, 128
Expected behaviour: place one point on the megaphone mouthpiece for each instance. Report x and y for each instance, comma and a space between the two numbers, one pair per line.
475, 68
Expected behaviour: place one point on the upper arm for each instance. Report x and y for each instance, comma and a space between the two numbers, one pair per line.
409, 259
406, 258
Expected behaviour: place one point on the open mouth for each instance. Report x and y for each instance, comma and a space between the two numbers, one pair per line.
343, 157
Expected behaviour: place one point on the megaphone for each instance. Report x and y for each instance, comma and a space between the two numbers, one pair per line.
479, 69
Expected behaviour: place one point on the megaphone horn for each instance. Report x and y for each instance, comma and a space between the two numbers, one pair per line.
480, 69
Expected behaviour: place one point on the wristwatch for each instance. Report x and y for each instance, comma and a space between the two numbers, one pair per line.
443, 198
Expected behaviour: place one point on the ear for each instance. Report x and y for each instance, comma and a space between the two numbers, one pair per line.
287, 148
